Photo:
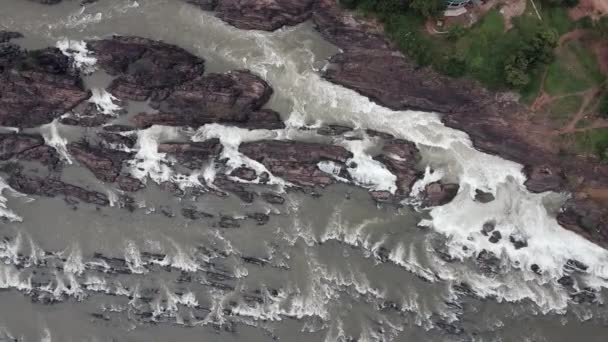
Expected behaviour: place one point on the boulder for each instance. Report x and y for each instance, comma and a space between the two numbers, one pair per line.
105, 164
37, 87
143, 66
437, 194
296, 162
192, 155
401, 158
267, 15
50, 187
543, 178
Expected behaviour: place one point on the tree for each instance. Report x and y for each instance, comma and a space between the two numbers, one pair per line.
516, 77
428, 8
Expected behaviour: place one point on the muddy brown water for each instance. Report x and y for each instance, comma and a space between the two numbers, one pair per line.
331, 268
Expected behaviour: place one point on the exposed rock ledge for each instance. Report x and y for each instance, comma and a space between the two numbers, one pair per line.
174, 83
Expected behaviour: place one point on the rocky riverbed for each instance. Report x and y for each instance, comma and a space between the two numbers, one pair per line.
225, 179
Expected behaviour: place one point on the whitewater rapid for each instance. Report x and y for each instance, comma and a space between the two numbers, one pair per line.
331, 260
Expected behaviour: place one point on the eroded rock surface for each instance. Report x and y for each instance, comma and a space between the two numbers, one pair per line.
143, 66
267, 15
51, 187
37, 86
296, 162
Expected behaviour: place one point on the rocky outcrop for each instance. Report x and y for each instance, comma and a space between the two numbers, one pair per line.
144, 66
233, 97
103, 163
541, 178
586, 218
27, 147
6, 36
36, 87
296, 162
267, 15
401, 158
437, 194
206, 5
381, 76
192, 155
51, 187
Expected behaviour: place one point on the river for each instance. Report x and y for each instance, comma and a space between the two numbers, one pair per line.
332, 268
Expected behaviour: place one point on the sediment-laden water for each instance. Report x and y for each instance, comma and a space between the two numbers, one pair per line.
330, 267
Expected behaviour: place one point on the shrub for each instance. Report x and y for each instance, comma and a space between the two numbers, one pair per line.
456, 32
604, 106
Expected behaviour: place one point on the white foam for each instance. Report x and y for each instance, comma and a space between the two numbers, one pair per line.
148, 162
366, 171
77, 50
52, 138
231, 138
105, 102
133, 258
4, 211
73, 263
316, 100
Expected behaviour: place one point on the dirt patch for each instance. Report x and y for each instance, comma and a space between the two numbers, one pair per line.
511, 9
601, 51
591, 8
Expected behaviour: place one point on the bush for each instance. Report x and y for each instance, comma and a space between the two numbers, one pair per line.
456, 32
585, 23
604, 106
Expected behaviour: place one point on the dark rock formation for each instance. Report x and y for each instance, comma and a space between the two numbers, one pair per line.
50, 187
260, 218
296, 162
437, 194
272, 198
6, 36
47, 2
128, 183
262, 119
232, 97
116, 139
586, 218
104, 164
543, 178
378, 74
192, 155
229, 222
244, 173
206, 5
37, 86
267, 15
401, 158
483, 197
143, 66
495, 237
194, 214
235, 188
333, 130
90, 116
488, 262
27, 147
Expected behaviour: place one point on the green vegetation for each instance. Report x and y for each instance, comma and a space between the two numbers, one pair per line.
593, 140
575, 70
526, 58
563, 109
603, 108
485, 52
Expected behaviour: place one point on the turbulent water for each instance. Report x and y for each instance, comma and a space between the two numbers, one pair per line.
333, 268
